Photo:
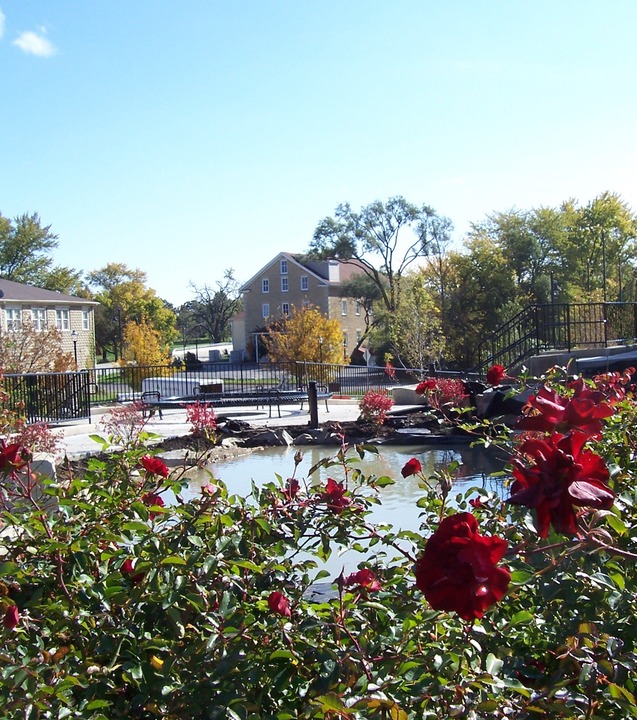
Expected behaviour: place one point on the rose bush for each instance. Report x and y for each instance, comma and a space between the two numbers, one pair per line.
220, 607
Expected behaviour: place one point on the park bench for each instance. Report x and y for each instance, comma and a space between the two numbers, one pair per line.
261, 396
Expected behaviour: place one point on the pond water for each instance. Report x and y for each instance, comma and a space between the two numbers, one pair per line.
398, 501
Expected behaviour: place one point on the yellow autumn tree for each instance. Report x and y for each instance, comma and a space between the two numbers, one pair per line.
306, 335
145, 349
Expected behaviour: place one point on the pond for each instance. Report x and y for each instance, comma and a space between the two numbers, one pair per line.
398, 501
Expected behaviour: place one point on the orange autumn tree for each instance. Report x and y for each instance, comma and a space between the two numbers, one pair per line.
306, 335
144, 348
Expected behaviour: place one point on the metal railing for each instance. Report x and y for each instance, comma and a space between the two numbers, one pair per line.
50, 398
114, 384
559, 326
55, 398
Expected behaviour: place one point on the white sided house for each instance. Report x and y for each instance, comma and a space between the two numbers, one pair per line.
291, 280
72, 316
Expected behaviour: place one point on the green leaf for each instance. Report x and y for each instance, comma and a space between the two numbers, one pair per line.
521, 577
8, 568
173, 560
493, 664
522, 617
616, 523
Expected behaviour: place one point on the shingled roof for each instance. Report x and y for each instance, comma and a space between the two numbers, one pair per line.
19, 292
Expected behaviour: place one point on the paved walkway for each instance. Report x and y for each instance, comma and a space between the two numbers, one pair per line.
77, 441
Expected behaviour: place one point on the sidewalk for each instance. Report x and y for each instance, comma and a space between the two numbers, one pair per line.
77, 441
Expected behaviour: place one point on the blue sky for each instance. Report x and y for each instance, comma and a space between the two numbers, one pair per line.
184, 138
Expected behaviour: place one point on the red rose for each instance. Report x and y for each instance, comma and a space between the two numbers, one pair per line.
458, 570
425, 385
155, 466
334, 496
411, 467
12, 457
278, 603
11, 617
127, 568
496, 374
291, 489
365, 578
152, 499
562, 476
584, 411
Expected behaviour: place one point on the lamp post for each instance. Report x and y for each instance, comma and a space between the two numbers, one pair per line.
320, 340
74, 338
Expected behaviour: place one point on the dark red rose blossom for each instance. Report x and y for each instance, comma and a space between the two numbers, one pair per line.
291, 489
151, 499
155, 466
548, 411
425, 385
365, 578
563, 475
476, 502
458, 570
11, 617
334, 496
278, 603
496, 374
13, 457
411, 467
128, 569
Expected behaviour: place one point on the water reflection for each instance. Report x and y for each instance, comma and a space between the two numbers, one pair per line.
476, 467
398, 502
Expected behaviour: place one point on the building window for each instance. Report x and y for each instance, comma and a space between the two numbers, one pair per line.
285, 309
358, 307
86, 319
284, 284
343, 307
359, 335
265, 310
13, 318
38, 316
345, 340
305, 284
284, 267
62, 319
306, 304
265, 285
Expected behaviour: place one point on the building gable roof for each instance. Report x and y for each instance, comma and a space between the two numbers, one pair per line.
11, 291
290, 257
347, 270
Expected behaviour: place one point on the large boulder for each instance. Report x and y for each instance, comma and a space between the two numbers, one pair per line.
270, 438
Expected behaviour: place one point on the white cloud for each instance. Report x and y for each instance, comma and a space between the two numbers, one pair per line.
2, 18
35, 43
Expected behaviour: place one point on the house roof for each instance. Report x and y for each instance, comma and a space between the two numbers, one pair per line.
19, 292
291, 257
347, 269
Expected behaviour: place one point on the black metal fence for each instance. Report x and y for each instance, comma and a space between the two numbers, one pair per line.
113, 384
49, 398
560, 326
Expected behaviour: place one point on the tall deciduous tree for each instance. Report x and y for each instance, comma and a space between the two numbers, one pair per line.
124, 296
305, 335
213, 308
25, 256
418, 340
481, 296
383, 239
